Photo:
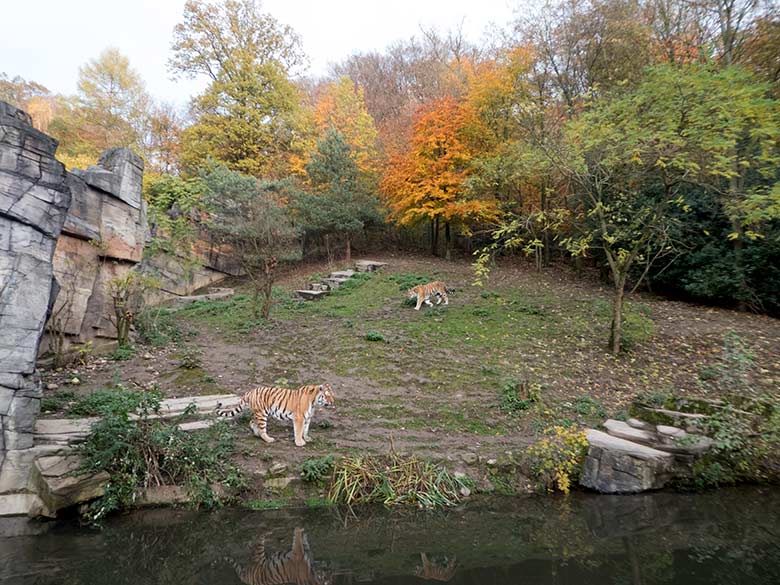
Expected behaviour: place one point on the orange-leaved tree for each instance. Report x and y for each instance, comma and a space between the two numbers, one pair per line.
425, 182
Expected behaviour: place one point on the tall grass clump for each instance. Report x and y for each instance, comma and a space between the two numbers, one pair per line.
393, 480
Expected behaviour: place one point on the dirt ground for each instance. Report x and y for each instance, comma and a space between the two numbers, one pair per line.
432, 380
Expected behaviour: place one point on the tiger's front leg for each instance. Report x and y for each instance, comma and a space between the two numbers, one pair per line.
419, 303
259, 427
306, 423
298, 426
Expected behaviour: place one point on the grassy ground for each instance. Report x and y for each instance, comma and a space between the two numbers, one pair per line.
446, 382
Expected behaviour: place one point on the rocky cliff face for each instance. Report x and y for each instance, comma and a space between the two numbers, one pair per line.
34, 201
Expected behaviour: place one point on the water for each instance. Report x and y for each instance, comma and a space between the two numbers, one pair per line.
732, 536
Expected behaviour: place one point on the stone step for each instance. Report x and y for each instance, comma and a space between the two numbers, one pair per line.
334, 283
216, 295
614, 465
368, 265
311, 295
59, 484
622, 430
661, 437
342, 274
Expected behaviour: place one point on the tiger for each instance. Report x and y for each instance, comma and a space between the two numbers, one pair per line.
296, 405
423, 292
436, 570
295, 566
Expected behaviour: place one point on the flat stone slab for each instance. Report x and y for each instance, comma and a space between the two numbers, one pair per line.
198, 425
614, 465
622, 430
59, 485
369, 265
222, 294
639, 424
342, 274
334, 283
312, 295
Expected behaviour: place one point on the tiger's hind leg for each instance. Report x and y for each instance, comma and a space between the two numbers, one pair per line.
446, 298
259, 427
428, 301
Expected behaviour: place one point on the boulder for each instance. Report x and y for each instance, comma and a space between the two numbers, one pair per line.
614, 465
368, 265
59, 484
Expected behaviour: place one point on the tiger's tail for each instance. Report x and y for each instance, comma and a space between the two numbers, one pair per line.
231, 412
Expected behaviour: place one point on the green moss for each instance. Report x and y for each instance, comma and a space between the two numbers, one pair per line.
276, 504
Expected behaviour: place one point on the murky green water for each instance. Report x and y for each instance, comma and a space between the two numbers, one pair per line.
731, 536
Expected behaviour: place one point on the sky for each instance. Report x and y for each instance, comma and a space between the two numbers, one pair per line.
47, 40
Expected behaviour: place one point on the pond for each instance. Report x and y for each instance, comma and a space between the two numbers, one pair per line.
729, 536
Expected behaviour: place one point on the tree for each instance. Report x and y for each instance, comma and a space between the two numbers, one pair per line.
250, 121
341, 106
250, 216
340, 202
218, 39
426, 182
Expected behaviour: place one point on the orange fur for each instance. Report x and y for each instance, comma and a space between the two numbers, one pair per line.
296, 405
423, 293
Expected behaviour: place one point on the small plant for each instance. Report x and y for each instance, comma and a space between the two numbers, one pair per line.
317, 470
122, 353
394, 480
157, 327
190, 358
114, 401
556, 459
374, 336
127, 293
58, 401
589, 407
519, 396
407, 281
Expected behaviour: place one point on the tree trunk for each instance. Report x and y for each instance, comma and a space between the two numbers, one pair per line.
435, 240
616, 329
348, 253
448, 241
739, 268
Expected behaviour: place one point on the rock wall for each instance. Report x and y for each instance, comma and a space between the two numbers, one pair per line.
34, 199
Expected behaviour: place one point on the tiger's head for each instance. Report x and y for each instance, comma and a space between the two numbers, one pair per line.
325, 395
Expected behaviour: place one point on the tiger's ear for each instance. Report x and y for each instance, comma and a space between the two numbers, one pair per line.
322, 388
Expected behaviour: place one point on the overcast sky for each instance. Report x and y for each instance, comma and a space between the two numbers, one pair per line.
47, 40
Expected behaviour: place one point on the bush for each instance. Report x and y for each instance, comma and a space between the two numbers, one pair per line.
113, 401
58, 401
374, 336
317, 470
190, 358
556, 459
407, 281
517, 397
589, 407
358, 279
149, 452
394, 480
157, 327
122, 353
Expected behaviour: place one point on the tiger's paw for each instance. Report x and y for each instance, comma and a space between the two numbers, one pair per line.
300, 444
268, 439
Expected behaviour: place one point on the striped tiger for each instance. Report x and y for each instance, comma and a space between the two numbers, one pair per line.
436, 570
288, 404
423, 292
295, 566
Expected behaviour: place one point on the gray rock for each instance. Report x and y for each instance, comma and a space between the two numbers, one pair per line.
311, 295
34, 198
278, 483
615, 465
622, 430
60, 485
277, 469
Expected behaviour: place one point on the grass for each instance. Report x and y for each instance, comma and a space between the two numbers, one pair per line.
276, 504
394, 480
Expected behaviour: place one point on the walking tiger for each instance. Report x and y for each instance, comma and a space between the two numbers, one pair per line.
423, 292
296, 405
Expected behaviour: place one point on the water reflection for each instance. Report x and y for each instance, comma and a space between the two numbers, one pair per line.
294, 566
436, 569
730, 537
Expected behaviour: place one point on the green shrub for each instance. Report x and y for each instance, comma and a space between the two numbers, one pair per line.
190, 358
519, 396
557, 458
317, 469
122, 353
358, 279
374, 336
157, 327
394, 480
58, 401
113, 401
407, 281
589, 407
147, 452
